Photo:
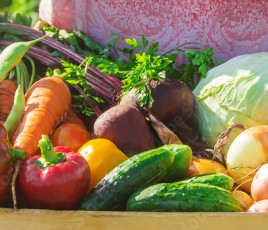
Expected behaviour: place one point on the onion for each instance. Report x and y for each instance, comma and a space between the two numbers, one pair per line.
247, 152
259, 186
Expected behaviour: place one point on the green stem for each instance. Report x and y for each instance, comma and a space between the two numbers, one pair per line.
49, 156
16, 154
33, 71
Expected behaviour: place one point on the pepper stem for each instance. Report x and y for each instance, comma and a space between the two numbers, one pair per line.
49, 156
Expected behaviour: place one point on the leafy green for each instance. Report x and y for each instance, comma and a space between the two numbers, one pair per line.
233, 92
139, 63
77, 76
142, 66
24, 8
197, 65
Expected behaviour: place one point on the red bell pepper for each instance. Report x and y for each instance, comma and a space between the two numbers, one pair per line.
56, 179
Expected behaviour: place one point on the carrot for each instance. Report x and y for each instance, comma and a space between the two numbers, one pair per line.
7, 92
47, 102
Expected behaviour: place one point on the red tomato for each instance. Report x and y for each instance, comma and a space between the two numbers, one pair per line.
70, 135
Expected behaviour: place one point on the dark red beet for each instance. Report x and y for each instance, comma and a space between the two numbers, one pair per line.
171, 98
126, 127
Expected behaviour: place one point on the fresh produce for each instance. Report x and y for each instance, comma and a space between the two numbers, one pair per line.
259, 206
232, 92
12, 55
70, 133
259, 185
126, 127
244, 198
217, 179
199, 166
88, 83
16, 113
103, 109
7, 93
56, 179
247, 152
140, 170
47, 101
183, 197
102, 156
6, 167
182, 158
173, 95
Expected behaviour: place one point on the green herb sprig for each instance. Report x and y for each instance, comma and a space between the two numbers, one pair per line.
76, 76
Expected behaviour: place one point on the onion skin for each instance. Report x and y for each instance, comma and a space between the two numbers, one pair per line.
247, 152
259, 206
244, 198
259, 186
200, 166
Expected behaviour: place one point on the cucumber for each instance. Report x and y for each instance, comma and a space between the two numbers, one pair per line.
182, 159
183, 197
218, 179
140, 170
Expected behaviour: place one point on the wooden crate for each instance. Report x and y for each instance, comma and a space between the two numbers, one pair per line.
58, 220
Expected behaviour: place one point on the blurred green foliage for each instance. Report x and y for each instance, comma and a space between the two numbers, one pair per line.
28, 8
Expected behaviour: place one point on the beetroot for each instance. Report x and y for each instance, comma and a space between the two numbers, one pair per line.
126, 127
171, 98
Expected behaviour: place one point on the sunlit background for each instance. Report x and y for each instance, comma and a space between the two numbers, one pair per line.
24, 7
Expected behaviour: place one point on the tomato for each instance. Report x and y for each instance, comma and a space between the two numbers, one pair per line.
70, 135
102, 156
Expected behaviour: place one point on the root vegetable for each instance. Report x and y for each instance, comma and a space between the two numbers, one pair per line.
259, 206
247, 152
126, 127
7, 93
47, 101
244, 198
259, 185
200, 166
171, 98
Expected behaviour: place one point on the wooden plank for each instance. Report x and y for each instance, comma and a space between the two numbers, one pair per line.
58, 220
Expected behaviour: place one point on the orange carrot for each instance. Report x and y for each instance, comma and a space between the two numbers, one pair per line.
47, 102
7, 92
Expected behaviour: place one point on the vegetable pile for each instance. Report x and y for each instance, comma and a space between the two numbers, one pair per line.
86, 127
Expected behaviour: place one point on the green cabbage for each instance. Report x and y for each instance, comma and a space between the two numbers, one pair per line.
235, 91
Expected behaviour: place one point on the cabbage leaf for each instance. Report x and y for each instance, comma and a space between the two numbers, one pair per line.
235, 91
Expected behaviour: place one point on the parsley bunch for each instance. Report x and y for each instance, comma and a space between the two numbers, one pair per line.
142, 66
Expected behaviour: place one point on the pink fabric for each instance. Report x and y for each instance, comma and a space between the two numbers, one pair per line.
230, 27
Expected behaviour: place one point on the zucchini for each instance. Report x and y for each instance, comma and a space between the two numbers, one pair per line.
182, 159
140, 170
183, 197
218, 179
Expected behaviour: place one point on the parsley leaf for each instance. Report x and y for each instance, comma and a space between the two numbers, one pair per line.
76, 76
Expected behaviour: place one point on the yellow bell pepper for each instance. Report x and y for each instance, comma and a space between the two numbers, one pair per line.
102, 156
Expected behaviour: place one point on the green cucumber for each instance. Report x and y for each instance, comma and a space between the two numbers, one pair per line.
218, 179
140, 170
182, 159
183, 197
